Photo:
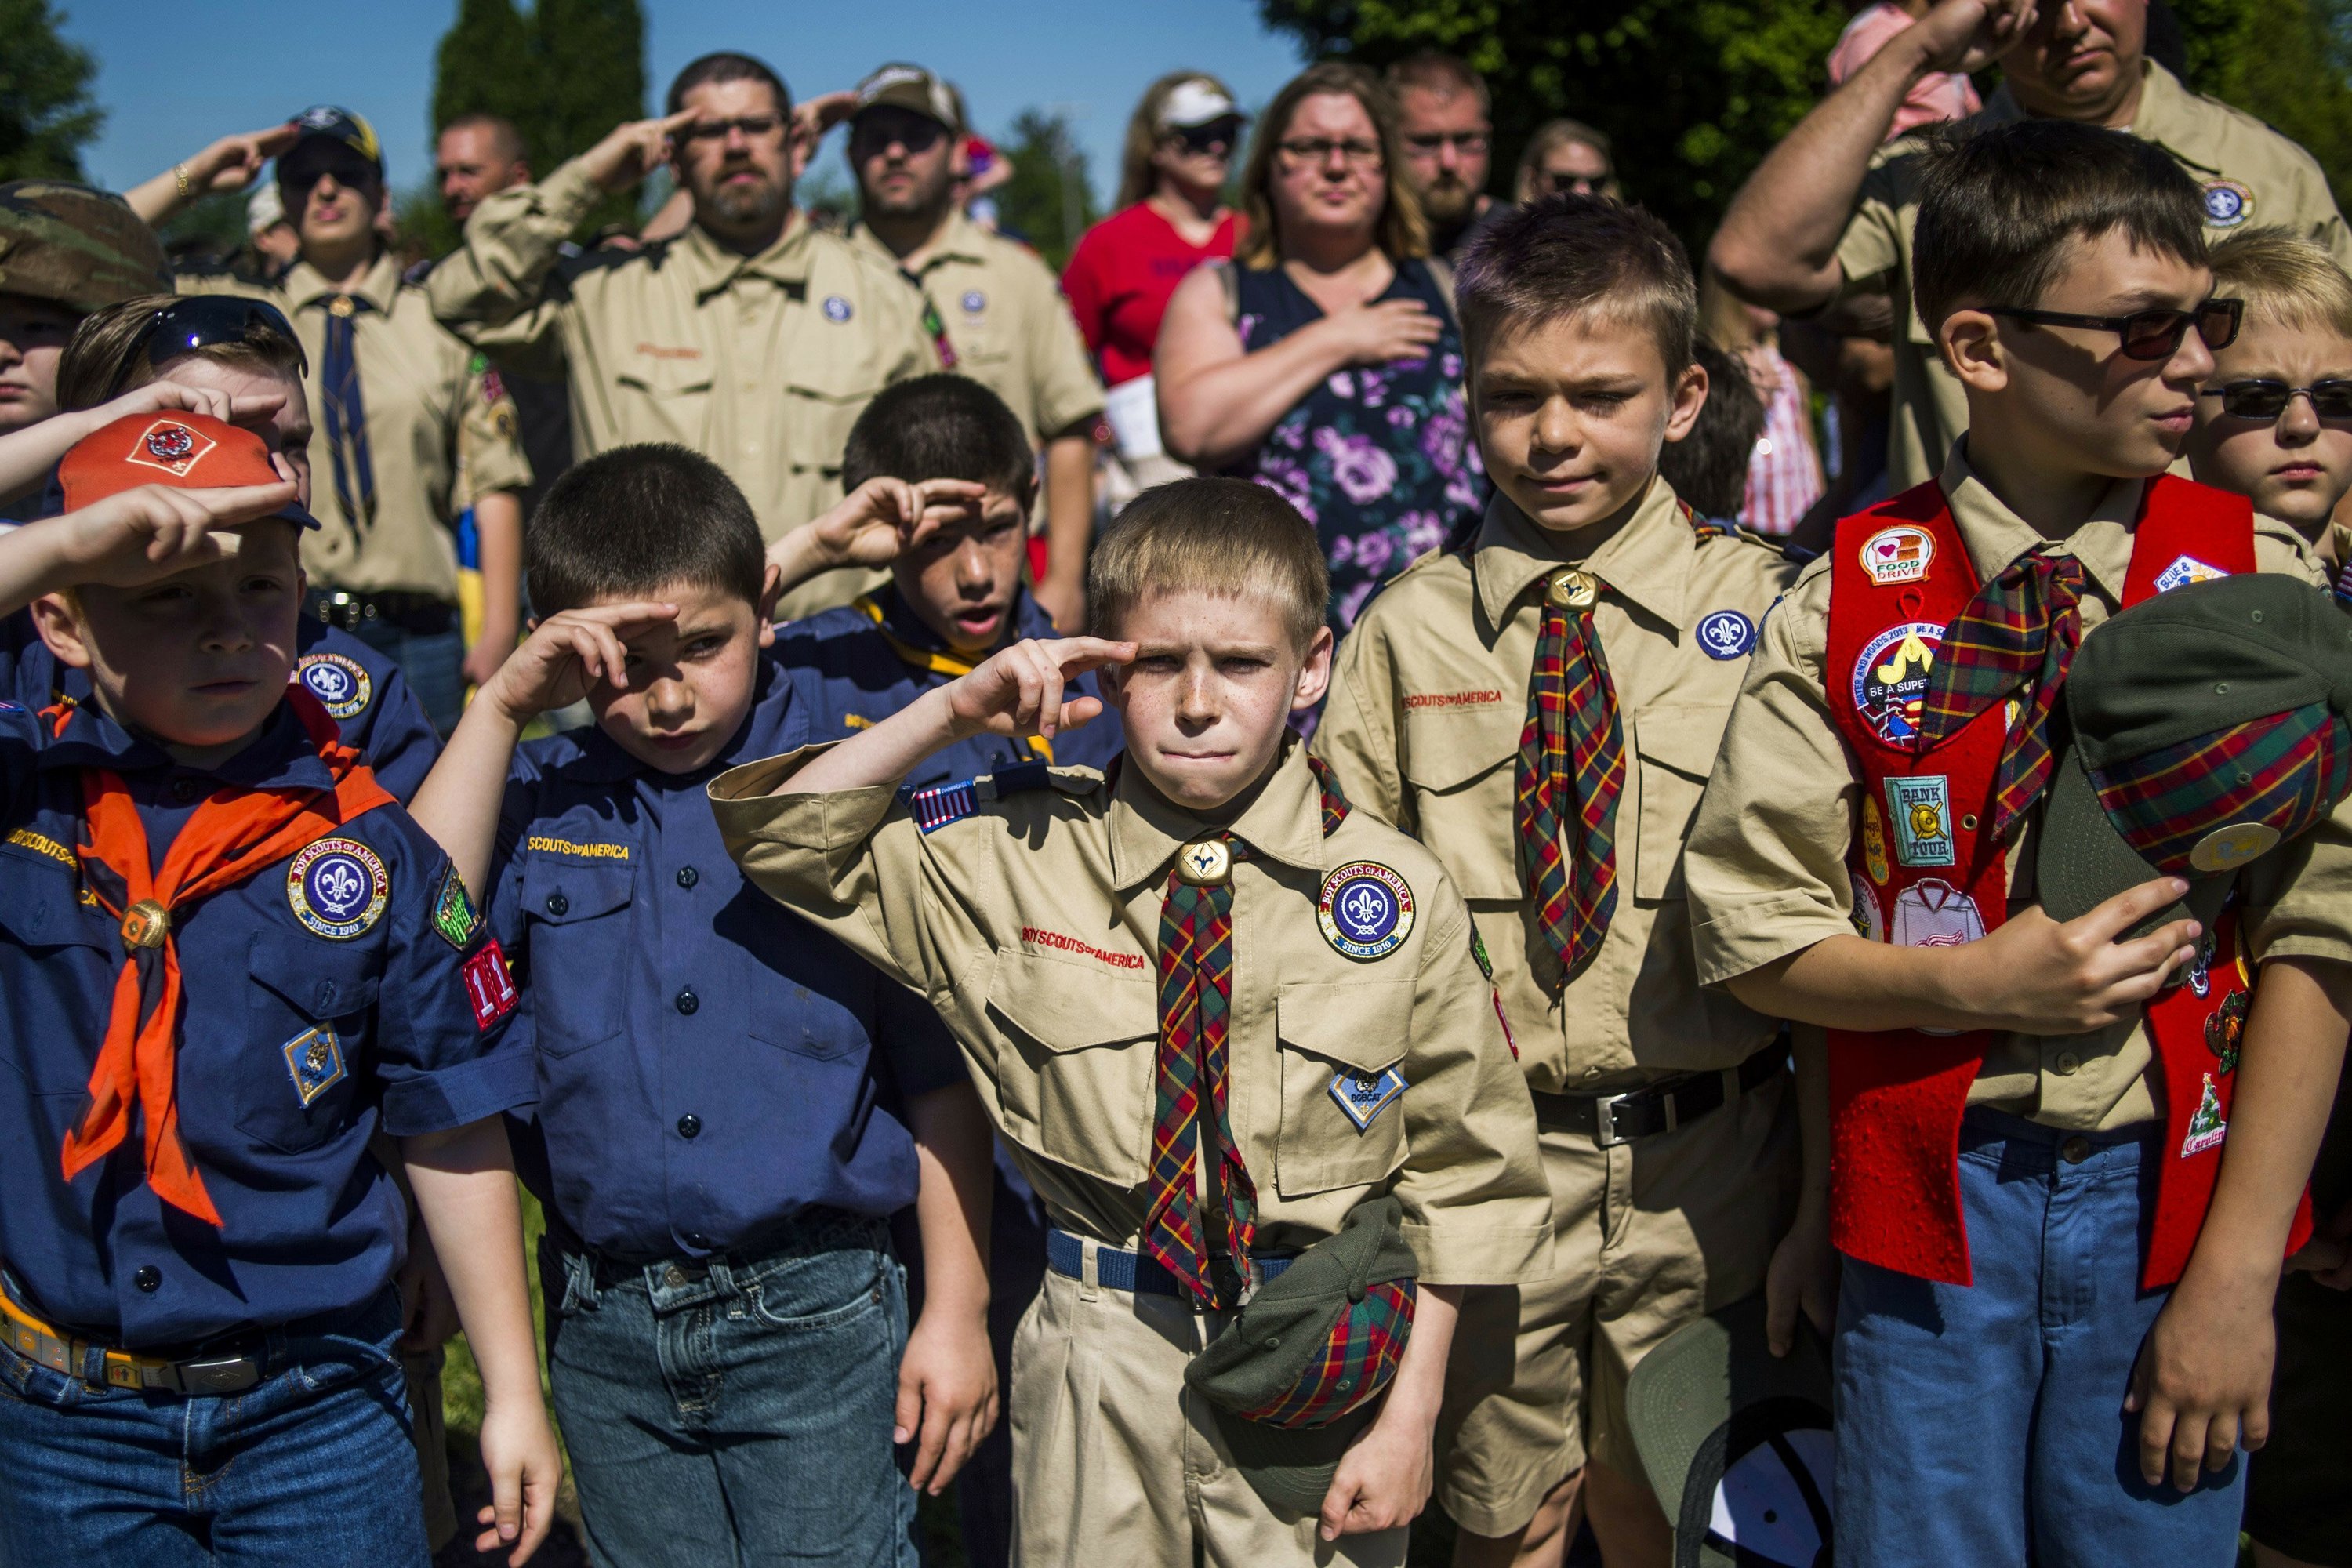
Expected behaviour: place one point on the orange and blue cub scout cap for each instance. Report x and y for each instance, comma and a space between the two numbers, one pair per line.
2208, 728
189, 451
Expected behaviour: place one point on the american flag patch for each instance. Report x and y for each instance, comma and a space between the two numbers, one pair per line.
935, 807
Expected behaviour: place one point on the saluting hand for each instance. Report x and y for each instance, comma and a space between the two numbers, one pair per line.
234, 162
1019, 692
631, 152
567, 655
883, 519
1967, 36
145, 535
2037, 977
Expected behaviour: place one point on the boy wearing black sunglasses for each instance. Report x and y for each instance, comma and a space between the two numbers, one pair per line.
2044, 1351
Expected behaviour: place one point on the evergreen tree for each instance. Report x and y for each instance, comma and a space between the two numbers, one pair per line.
1047, 203
46, 115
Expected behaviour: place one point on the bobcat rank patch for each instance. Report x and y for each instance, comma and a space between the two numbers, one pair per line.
315, 1058
1364, 1095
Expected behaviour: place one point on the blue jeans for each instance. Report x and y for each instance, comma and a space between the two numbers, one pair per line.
1984, 1424
736, 1413
309, 1467
434, 666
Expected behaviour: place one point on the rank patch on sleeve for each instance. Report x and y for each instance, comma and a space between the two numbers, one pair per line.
488, 985
1364, 1095
315, 1058
935, 807
454, 914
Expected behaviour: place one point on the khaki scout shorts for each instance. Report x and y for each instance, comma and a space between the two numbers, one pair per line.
1114, 1461
1648, 1235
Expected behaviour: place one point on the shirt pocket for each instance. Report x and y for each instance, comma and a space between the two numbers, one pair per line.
1461, 785
826, 386
1074, 1068
1675, 746
76, 949
675, 391
580, 953
1357, 1027
311, 1003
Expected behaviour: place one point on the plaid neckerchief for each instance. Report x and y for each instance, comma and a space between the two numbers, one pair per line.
1193, 1073
2015, 638
1571, 770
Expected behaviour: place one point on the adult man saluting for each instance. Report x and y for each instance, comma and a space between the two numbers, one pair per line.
1826, 219
753, 338
995, 308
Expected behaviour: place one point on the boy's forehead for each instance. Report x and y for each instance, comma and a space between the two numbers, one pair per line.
2112, 267
2269, 339
1188, 614
1593, 337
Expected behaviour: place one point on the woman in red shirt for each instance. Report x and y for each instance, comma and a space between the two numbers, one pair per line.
1171, 217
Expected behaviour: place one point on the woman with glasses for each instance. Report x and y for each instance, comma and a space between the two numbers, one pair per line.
1171, 216
1568, 158
1325, 362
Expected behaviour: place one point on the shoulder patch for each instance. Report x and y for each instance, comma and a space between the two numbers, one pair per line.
454, 914
337, 888
340, 683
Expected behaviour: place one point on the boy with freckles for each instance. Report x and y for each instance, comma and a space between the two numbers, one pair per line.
1540, 708
1319, 1039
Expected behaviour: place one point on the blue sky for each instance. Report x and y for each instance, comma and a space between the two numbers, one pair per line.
172, 78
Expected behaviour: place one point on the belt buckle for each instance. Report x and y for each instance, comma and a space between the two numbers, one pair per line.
229, 1375
1604, 1121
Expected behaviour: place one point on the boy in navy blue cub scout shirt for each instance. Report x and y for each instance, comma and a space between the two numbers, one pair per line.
712, 1138
228, 959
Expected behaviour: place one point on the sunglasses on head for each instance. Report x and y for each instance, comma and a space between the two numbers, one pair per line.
1207, 138
2266, 400
201, 321
2147, 334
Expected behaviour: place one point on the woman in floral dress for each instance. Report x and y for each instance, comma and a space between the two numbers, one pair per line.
1326, 365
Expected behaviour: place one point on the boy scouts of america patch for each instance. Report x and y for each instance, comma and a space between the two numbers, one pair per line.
454, 915
337, 888
1364, 1095
341, 684
1365, 909
170, 446
1727, 634
315, 1058
2228, 203
1890, 678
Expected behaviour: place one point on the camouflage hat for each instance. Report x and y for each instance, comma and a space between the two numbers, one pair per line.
82, 248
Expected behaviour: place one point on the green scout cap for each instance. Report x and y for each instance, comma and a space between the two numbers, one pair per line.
911, 88
1736, 1440
2208, 728
83, 248
1275, 1357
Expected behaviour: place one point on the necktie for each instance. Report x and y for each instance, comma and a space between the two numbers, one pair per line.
1571, 770
227, 838
345, 415
2016, 637
1193, 1072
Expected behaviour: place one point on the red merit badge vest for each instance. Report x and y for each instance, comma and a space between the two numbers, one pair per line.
1926, 873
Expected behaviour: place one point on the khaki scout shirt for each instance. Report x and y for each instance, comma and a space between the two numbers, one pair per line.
1005, 318
426, 408
1428, 699
759, 362
2251, 174
1766, 862
1034, 927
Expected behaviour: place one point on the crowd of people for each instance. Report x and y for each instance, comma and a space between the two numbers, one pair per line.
1388, 843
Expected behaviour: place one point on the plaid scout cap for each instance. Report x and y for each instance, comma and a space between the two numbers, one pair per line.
191, 451
2209, 729
81, 249
1293, 1375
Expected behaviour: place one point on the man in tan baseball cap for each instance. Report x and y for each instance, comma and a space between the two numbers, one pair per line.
64, 251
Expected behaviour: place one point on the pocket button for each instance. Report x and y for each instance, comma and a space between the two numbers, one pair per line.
558, 905
149, 1278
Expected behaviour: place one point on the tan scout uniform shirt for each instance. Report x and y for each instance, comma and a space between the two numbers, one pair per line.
1766, 862
426, 410
1034, 927
1427, 703
759, 362
2251, 176
1005, 318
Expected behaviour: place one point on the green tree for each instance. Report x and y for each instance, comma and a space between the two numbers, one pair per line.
1693, 93
1047, 202
46, 115
2288, 62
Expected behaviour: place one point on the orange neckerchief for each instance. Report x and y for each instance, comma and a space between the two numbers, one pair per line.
229, 837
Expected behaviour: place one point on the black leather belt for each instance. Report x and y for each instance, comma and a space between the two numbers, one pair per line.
1610, 1120
419, 614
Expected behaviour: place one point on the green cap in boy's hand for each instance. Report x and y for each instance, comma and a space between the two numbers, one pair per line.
2208, 727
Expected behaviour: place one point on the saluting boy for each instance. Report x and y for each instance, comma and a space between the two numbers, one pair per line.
727, 1328
2053, 1319
1318, 1039
1540, 708
227, 957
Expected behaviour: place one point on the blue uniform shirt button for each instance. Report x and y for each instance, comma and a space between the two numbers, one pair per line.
688, 876
557, 904
149, 1278
687, 1001
688, 1125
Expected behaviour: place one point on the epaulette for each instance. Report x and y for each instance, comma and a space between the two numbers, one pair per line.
935, 807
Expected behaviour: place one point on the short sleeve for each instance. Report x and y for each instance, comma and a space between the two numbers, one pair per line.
446, 1054
1066, 392
1870, 249
922, 1053
1357, 736
489, 435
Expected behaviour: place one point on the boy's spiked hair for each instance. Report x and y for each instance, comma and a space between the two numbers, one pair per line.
2284, 279
1568, 256
636, 518
1997, 208
941, 427
1211, 536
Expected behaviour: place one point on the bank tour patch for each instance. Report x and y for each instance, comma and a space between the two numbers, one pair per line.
1366, 910
1920, 807
1890, 678
337, 888
339, 682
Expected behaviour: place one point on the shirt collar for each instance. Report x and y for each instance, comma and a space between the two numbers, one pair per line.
280, 757
1284, 822
603, 760
2169, 117
1028, 619
712, 267
1647, 562
1995, 536
306, 285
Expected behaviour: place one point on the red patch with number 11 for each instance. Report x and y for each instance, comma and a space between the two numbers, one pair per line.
488, 985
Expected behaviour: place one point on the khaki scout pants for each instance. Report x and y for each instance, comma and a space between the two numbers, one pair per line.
1648, 1235
1115, 1462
